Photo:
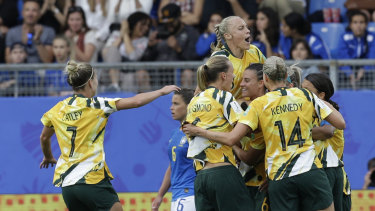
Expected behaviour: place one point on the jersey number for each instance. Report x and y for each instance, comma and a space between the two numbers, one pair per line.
74, 131
173, 154
296, 131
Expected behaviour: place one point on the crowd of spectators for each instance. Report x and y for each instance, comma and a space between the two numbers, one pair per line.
55, 31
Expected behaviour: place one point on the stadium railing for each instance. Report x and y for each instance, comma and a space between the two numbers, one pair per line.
47, 79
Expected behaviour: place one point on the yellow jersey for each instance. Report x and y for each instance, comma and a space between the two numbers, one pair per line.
216, 110
253, 55
79, 124
286, 118
253, 175
329, 151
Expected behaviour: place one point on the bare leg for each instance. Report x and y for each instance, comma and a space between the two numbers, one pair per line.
143, 80
116, 207
187, 79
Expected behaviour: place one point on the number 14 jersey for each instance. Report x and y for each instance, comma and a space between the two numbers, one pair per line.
286, 118
79, 124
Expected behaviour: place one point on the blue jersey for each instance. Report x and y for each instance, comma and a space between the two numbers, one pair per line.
317, 46
352, 47
262, 47
182, 170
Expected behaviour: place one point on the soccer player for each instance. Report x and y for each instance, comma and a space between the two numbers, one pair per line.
233, 41
79, 123
329, 141
252, 161
180, 174
218, 184
286, 118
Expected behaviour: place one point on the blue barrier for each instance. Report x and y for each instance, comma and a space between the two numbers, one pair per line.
136, 142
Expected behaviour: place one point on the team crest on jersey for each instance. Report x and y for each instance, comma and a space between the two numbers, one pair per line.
183, 140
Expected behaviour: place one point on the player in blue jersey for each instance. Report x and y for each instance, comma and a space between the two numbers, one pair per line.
180, 174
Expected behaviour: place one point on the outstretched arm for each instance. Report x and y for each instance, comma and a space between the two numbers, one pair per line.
144, 98
163, 189
322, 133
45, 143
227, 138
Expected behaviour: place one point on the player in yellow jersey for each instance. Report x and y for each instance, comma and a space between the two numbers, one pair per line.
329, 144
286, 118
233, 41
218, 184
79, 122
252, 161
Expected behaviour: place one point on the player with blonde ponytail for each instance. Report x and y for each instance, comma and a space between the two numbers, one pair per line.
79, 122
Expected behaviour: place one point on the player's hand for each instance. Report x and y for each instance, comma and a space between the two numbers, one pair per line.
168, 89
156, 203
190, 130
46, 162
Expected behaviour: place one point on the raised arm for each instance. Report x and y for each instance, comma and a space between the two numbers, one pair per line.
227, 138
163, 189
45, 143
144, 98
335, 118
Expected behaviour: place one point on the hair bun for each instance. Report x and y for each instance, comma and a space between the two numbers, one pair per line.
71, 67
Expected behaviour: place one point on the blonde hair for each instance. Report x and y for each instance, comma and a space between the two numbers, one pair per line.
294, 73
209, 72
275, 68
220, 30
79, 74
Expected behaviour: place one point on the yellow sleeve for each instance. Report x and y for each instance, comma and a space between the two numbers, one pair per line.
321, 108
250, 117
257, 141
46, 119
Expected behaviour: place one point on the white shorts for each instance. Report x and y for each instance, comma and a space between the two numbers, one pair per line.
183, 204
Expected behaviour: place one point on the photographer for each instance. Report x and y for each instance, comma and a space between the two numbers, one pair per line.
370, 175
173, 41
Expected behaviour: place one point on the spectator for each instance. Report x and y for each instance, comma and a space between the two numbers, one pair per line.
370, 175
191, 10
17, 55
366, 6
246, 9
284, 7
267, 32
128, 45
174, 42
55, 80
53, 13
208, 38
36, 37
300, 51
8, 19
85, 45
293, 27
356, 43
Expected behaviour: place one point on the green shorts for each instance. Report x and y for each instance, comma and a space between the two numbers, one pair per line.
336, 181
258, 199
347, 202
306, 191
83, 197
221, 188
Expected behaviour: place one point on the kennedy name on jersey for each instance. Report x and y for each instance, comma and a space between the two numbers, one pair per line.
72, 116
286, 108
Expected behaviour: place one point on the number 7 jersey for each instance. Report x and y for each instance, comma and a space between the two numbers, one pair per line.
79, 124
286, 118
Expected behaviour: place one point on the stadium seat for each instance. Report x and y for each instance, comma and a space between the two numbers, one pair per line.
371, 27
330, 33
316, 5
